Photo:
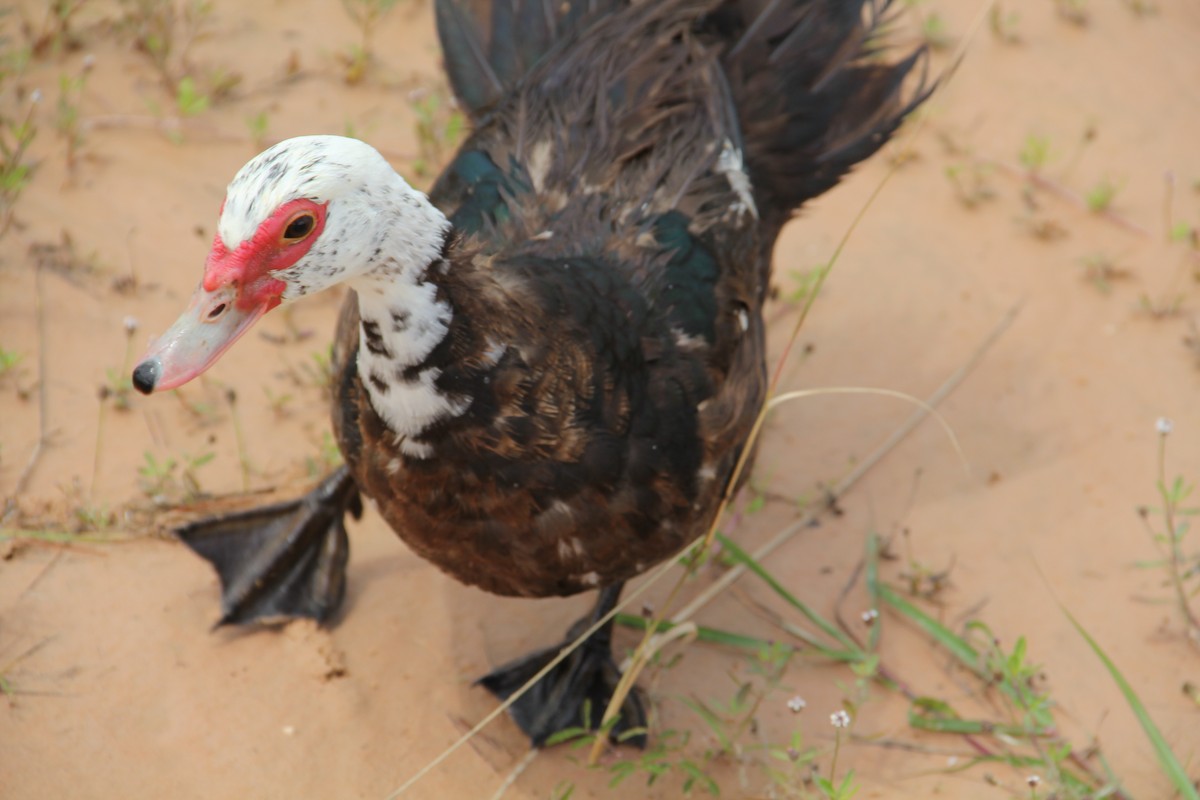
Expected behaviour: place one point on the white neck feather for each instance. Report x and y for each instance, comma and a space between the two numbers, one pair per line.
384, 239
402, 321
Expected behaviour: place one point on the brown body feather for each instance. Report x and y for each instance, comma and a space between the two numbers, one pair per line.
606, 279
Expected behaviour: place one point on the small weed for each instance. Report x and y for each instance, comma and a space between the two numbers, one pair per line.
221, 83
91, 518
1074, 11
170, 480
239, 435
9, 359
188, 100
1184, 232
1192, 340
56, 36
1004, 25
15, 168
156, 477
667, 754
806, 283
1100, 197
279, 403
1025, 735
830, 787
1035, 152
971, 183
67, 119
327, 459
933, 32
1163, 308
1185, 787
931, 25
257, 125
920, 579
165, 33
64, 259
1102, 271
365, 14
1035, 220
1018, 726
1142, 8
317, 372
440, 128
118, 388
1183, 569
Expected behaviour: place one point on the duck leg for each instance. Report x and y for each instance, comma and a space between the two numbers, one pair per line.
585, 678
283, 560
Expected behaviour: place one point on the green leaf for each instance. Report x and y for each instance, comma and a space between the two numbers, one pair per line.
1166, 759
958, 647
851, 651
703, 634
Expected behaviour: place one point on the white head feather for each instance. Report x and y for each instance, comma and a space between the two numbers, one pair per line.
374, 222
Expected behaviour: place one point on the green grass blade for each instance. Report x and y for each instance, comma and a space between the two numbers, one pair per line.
872, 581
703, 634
831, 630
63, 537
959, 647
1166, 759
932, 714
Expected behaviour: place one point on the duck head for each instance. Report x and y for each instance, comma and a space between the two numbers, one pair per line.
302, 216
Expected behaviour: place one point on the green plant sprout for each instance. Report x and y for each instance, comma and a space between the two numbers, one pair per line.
1170, 533
365, 14
440, 129
1004, 24
1034, 152
171, 480
15, 167
67, 118
1100, 197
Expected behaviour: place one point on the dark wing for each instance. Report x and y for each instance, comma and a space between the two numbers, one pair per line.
489, 45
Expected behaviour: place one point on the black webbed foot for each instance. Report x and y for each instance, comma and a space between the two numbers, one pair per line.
584, 680
284, 560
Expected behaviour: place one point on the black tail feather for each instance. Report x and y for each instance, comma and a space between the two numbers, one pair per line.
490, 44
812, 93
813, 97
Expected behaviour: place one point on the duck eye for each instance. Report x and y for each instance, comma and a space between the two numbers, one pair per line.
298, 228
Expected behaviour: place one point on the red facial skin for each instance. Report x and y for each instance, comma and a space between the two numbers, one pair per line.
236, 290
249, 266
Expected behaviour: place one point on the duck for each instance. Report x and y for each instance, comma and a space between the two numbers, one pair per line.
547, 367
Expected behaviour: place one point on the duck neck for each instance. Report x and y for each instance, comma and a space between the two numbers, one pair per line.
404, 316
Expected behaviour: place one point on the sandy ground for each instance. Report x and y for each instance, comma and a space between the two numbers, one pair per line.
117, 688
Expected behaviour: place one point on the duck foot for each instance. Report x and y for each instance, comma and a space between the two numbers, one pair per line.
584, 680
284, 560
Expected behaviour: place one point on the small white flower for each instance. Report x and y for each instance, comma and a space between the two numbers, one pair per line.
797, 704
1033, 781
35, 96
131, 324
870, 615
1164, 425
840, 719
89, 61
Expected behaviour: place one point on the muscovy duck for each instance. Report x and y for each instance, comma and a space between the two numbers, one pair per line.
548, 367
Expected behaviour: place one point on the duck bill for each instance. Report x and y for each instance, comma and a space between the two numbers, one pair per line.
212, 322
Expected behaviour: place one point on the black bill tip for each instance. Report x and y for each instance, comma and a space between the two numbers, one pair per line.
146, 375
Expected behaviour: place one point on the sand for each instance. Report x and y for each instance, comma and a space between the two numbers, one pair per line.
116, 687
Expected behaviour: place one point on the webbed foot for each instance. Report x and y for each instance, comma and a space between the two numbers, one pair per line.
582, 682
283, 560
